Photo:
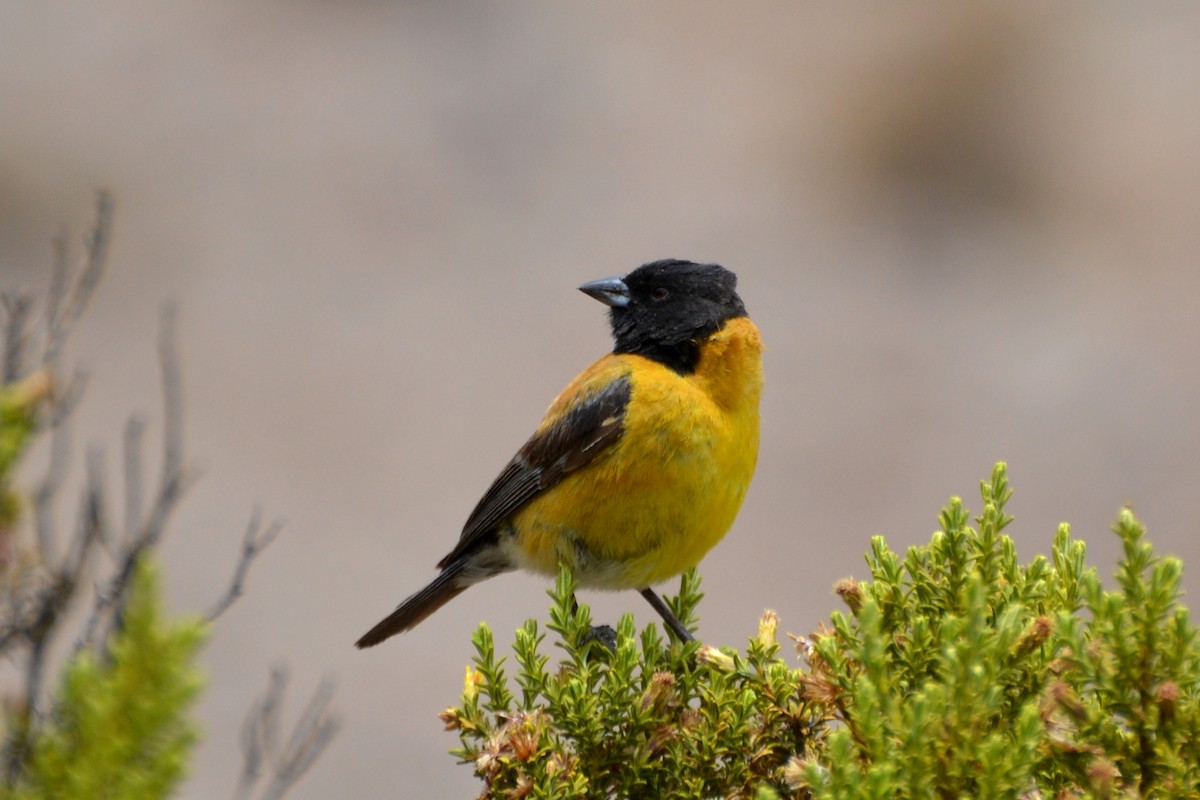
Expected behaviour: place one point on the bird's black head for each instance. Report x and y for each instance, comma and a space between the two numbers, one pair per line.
665, 309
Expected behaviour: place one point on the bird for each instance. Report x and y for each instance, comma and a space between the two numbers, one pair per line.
640, 464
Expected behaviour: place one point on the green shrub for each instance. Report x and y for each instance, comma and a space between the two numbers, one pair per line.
958, 672
121, 726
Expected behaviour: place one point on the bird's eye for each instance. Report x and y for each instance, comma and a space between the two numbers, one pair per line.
659, 294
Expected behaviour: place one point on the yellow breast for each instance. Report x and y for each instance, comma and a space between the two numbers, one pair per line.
659, 499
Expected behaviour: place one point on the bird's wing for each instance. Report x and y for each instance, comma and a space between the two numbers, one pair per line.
584, 421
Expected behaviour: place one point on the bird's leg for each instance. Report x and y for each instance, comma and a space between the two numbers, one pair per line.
665, 612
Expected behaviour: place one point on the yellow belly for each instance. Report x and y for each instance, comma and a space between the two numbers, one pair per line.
660, 498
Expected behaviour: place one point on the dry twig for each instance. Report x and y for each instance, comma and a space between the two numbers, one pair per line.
254, 542
261, 748
32, 606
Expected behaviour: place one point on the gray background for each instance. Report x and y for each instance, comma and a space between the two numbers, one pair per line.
968, 233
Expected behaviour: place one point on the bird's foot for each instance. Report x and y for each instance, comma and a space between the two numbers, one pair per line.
604, 634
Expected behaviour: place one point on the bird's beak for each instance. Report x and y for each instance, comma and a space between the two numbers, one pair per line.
610, 291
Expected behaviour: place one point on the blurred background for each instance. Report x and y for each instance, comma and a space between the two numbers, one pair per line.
969, 233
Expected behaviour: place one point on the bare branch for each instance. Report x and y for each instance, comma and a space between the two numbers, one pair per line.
133, 476
19, 741
173, 482
35, 605
310, 736
91, 526
89, 635
67, 301
253, 543
17, 308
60, 273
33, 601
97, 243
66, 397
47, 491
172, 390
260, 733
39, 626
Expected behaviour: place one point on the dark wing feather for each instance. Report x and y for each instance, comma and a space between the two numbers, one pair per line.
584, 431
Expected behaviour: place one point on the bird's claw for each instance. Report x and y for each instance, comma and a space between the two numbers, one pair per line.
604, 634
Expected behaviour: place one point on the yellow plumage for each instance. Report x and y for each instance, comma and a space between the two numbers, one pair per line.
659, 499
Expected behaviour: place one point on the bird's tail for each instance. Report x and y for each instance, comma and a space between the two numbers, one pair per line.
444, 588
